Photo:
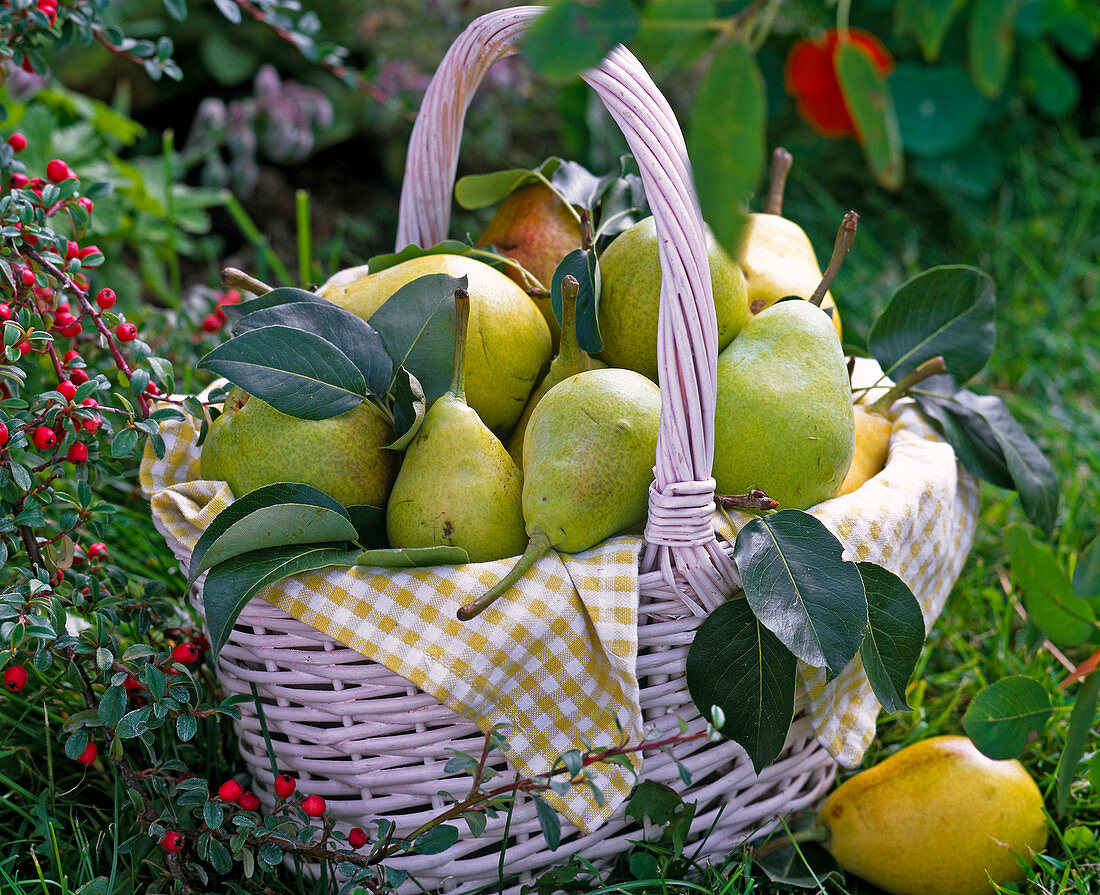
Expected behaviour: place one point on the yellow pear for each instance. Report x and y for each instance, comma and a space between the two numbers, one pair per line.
630, 273
872, 448
509, 344
775, 254
457, 485
536, 229
252, 444
936, 818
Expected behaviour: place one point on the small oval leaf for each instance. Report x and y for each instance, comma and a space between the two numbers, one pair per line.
1046, 591
867, 96
1004, 715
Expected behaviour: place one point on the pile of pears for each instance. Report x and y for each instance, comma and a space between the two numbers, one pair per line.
538, 445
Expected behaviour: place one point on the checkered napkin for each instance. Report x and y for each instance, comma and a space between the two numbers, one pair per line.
917, 519
555, 656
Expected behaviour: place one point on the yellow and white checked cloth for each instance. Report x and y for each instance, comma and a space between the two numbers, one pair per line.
556, 656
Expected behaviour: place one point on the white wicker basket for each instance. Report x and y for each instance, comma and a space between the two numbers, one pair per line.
375, 746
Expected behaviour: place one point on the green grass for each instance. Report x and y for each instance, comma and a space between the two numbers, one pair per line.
64, 827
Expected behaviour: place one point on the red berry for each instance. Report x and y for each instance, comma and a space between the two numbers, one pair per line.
71, 250
44, 438
71, 330
5, 312
63, 307
86, 203
78, 452
71, 355
357, 838
131, 685
15, 678
284, 786
126, 332
63, 318
19, 181
79, 376
27, 65
185, 653
211, 323
24, 349
97, 550
172, 841
30, 239
152, 389
89, 250
88, 755
28, 276
250, 801
92, 424
57, 170
106, 298
17, 142
313, 806
67, 389
3, 434
89, 402
230, 791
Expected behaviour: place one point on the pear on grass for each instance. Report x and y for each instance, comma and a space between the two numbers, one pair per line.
509, 343
571, 359
587, 464
775, 254
936, 818
874, 424
252, 444
536, 229
457, 485
630, 276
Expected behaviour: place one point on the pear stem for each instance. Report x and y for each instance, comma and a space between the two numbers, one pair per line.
929, 368
462, 321
817, 833
587, 239
570, 357
537, 547
777, 184
238, 279
845, 236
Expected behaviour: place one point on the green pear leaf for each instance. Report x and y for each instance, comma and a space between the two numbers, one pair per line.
582, 265
274, 298
946, 311
730, 109
1005, 714
370, 524
992, 445
657, 801
417, 326
574, 35
482, 190
272, 516
894, 638
233, 582
867, 96
412, 557
347, 331
409, 408
737, 664
447, 247
1047, 593
991, 39
1078, 732
801, 589
298, 373
1086, 575
939, 108
809, 866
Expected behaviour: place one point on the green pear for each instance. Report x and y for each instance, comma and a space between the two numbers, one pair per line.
457, 485
252, 444
775, 254
783, 418
588, 463
936, 818
536, 229
509, 344
630, 275
571, 359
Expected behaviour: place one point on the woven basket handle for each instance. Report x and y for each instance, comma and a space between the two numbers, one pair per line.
679, 532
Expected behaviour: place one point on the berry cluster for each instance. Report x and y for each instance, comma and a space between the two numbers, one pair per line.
214, 321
